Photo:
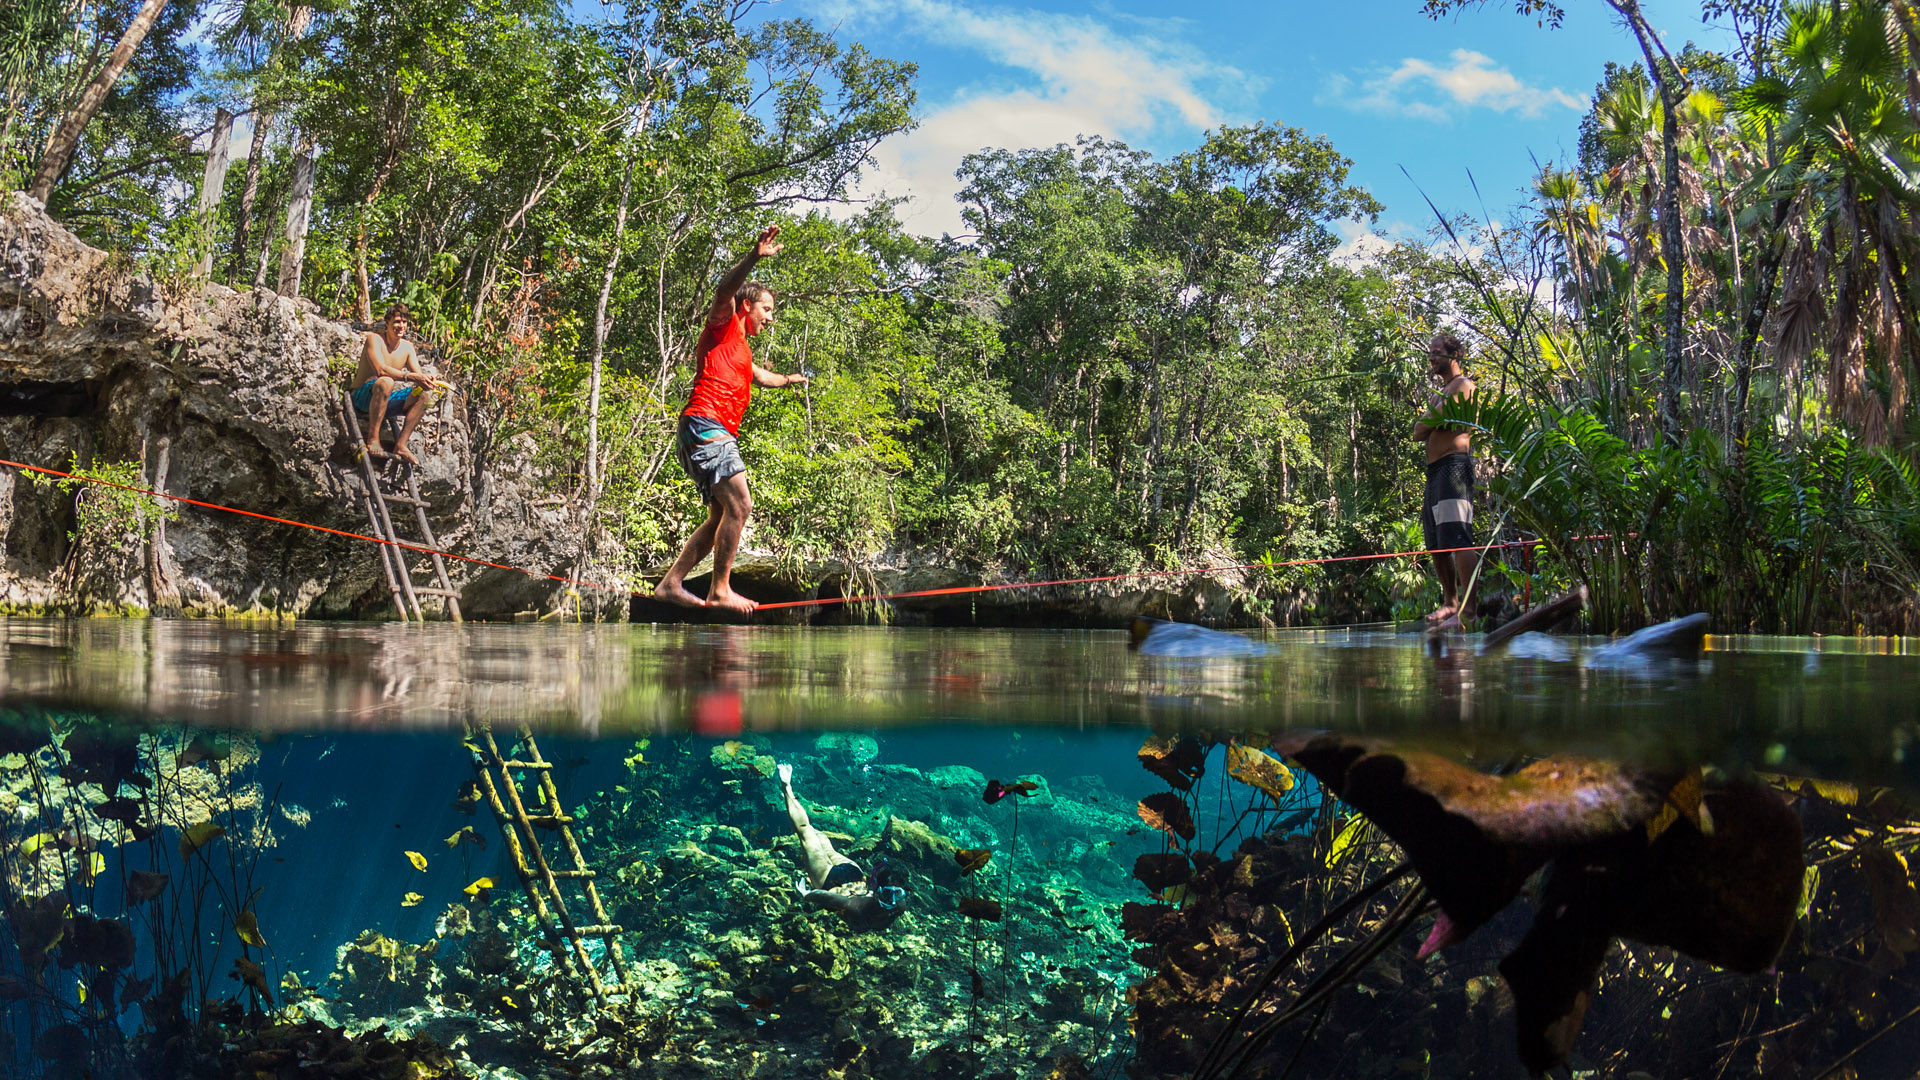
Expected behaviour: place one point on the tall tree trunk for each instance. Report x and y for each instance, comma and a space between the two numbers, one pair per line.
67, 138
262, 120
600, 328
211, 184
1672, 244
163, 596
299, 206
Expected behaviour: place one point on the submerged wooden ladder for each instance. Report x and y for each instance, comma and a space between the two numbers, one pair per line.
565, 938
375, 498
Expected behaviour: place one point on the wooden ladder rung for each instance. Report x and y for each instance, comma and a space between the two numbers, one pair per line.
408, 499
575, 875
526, 764
419, 591
607, 930
547, 821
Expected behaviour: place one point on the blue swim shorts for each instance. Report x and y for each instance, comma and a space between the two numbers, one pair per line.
707, 452
363, 397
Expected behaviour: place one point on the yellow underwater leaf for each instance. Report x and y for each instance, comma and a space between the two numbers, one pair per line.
31, 845
198, 836
1345, 841
479, 886
1250, 766
418, 860
248, 927
466, 833
411, 899
94, 867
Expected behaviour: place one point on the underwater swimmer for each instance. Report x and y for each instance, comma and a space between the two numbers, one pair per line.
866, 901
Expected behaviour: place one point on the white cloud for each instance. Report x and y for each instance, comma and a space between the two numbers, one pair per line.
1428, 91
1072, 74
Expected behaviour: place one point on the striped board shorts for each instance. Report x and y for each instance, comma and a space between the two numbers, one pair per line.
1446, 514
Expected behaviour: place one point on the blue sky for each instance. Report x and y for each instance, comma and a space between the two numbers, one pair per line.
1487, 92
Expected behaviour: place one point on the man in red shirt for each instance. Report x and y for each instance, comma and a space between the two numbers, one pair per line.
710, 423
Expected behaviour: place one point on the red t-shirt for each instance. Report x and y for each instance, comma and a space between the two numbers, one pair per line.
725, 384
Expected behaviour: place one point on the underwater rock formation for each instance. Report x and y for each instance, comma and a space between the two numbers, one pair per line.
102, 364
1712, 870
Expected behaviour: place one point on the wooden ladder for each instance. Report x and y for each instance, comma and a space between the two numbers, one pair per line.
375, 498
565, 939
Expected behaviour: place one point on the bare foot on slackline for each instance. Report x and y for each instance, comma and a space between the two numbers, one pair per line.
376, 451
1443, 613
731, 601
405, 455
673, 592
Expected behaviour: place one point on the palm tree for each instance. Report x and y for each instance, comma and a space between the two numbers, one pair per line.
1847, 146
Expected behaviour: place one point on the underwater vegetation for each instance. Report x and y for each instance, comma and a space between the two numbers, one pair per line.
1295, 905
1670, 923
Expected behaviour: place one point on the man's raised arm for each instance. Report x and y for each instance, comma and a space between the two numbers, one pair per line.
723, 305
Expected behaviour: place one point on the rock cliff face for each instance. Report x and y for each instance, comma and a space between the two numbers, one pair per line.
229, 398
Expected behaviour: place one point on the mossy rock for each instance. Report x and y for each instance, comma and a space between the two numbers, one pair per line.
741, 760
917, 846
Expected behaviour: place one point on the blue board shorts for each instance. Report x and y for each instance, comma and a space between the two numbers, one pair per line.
1446, 514
708, 453
363, 397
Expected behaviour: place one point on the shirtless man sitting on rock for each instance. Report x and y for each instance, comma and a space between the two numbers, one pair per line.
390, 376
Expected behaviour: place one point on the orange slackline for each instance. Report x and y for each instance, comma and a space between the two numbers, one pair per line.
954, 591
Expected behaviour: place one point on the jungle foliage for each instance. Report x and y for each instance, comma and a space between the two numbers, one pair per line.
1697, 338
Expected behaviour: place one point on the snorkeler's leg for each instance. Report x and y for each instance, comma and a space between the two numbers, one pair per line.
814, 844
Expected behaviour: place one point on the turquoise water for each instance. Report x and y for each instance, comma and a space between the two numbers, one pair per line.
361, 910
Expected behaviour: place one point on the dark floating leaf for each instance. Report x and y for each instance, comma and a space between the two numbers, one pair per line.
979, 984
251, 975
1165, 811
123, 810
979, 907
62, 1042
203, 748
1178, 761
104, 943
38, 926
997, 790
99, 757
972, 859
144, 886
468, 798
1158, 871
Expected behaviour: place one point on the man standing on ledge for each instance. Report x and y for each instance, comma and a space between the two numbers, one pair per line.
1446, 513
710, 423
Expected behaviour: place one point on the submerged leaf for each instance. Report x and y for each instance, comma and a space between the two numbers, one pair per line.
251, 975
411, 899
198, 836
418, 860
143, 886
1158, 871
466, 835
1165, 811
248, 927
1345, 841
479, 887
972, 859
980, 907
1250, 766
1178, 761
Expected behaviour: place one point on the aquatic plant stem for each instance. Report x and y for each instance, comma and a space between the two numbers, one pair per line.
1300, 945
1864, 1043
1410, 907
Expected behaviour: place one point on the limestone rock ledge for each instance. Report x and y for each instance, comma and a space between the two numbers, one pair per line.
100, 363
